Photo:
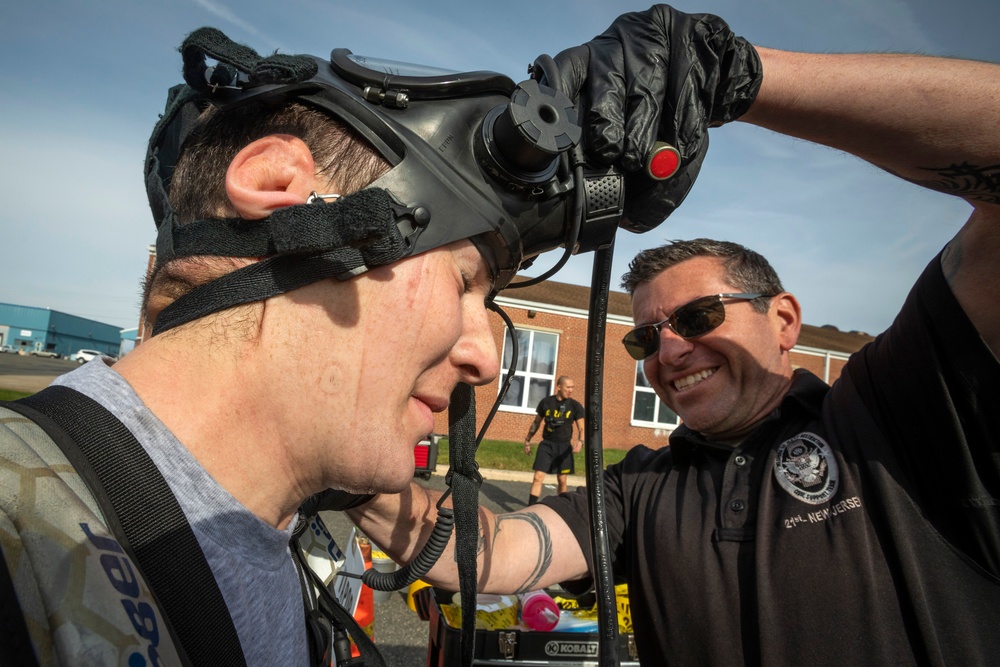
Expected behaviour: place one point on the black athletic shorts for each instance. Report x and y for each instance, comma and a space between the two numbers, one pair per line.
554, 458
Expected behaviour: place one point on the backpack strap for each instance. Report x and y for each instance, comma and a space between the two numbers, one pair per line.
144, 516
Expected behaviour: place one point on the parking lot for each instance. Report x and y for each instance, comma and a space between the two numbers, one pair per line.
24, 373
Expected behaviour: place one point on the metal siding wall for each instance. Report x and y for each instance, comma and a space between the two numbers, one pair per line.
68, 333
26, 318
74, 333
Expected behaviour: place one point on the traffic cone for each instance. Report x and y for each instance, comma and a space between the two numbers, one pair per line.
365, 612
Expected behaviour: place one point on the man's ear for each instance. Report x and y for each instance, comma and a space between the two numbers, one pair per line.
787, 315
272, 172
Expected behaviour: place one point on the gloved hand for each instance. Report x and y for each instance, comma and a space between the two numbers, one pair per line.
655, 75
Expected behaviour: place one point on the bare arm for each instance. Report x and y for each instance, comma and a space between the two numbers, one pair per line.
531, 433
519, 551
578, 435
931, 121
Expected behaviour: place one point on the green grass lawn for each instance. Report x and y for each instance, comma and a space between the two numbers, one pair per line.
508, 455
11, 395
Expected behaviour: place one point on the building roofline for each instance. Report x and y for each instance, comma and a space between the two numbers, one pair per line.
558, 298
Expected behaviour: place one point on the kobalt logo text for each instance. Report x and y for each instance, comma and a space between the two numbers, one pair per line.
556, 649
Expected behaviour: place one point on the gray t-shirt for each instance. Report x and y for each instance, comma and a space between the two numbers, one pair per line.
249, 558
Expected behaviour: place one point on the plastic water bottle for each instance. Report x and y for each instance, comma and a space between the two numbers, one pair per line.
539, 611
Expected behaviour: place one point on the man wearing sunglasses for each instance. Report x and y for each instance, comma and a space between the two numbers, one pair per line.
789, 521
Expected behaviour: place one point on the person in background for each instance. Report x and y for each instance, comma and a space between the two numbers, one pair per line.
561, 438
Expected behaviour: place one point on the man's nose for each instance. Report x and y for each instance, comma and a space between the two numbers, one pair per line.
476, 351
672, 348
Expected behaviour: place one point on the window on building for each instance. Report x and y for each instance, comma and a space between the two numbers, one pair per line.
534, 375
647, 408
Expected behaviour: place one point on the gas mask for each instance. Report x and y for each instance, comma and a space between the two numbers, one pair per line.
473, 156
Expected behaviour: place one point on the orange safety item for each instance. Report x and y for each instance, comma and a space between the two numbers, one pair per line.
365, 612
412, 590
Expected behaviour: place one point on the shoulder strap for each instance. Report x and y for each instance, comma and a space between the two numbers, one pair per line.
144, 515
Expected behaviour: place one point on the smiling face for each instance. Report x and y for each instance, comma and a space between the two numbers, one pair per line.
724, 382
371, 365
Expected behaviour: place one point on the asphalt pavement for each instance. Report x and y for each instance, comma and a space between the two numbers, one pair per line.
24, 373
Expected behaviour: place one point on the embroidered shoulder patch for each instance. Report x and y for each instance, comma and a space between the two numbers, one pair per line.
806, 468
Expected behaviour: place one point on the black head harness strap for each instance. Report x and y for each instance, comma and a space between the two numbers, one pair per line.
276, 68
238, 64
301, 245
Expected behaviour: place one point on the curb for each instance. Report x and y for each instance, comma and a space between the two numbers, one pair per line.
516, 476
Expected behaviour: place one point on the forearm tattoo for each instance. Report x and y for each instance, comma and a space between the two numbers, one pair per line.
969, 181
544, 557
481, 546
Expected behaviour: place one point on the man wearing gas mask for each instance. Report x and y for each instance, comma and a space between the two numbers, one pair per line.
302, 340
788, 521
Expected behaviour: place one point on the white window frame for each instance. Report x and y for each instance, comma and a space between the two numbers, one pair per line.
659, 405
529, 374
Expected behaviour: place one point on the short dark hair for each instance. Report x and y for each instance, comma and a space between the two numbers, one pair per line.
198, 184
745, 269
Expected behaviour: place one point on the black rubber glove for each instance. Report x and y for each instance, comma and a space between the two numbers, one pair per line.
660, 75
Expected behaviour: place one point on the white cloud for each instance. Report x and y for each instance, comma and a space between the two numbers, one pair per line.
227, 15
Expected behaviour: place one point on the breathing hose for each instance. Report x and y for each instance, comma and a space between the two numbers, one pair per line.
607, 616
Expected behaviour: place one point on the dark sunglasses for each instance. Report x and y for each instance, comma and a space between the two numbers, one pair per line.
694, 318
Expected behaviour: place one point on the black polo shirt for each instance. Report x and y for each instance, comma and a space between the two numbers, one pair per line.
857, 525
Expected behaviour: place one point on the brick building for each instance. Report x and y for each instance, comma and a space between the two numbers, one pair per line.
551, 321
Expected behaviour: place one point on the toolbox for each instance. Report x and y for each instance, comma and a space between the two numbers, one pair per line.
514, 646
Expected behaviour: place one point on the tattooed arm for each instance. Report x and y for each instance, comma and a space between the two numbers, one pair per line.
518, 551
931, 121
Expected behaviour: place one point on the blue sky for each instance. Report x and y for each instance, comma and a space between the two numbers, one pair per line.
84, 81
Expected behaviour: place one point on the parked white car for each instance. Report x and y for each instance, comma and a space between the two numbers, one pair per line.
83, 356
7, 349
